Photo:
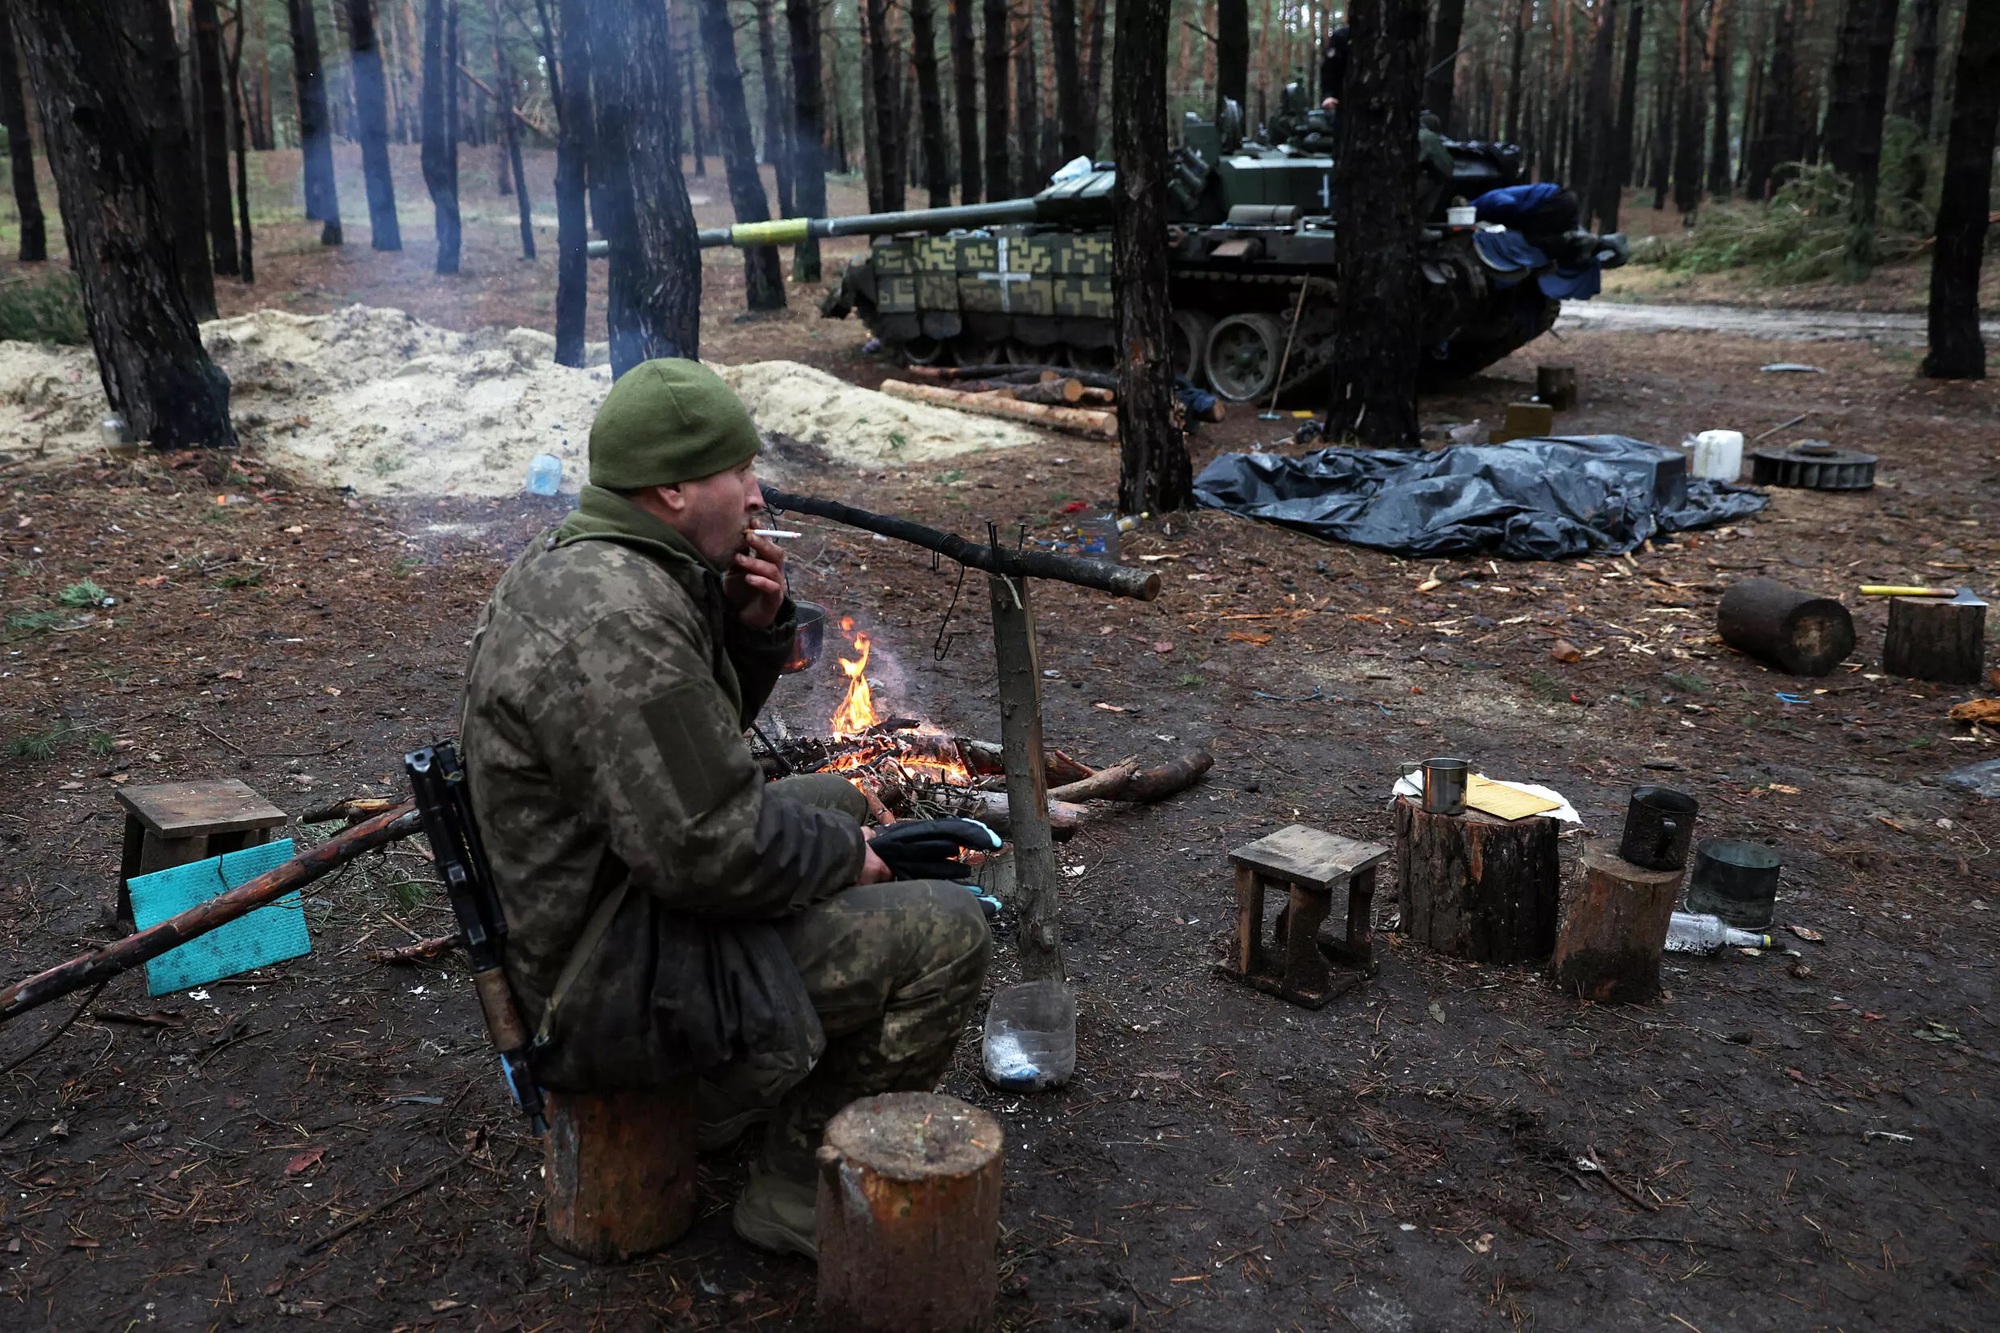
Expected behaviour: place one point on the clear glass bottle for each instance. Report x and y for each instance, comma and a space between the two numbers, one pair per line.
1692, 932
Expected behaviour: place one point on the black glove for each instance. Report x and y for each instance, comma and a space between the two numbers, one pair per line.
929, 848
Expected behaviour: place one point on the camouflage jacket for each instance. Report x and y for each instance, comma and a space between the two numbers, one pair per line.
606, 697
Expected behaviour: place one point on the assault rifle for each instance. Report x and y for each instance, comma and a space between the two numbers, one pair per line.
445, 805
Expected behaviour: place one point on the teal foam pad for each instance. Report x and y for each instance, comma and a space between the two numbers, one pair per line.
268, 935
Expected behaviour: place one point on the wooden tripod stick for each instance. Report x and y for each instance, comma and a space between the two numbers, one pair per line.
145, 945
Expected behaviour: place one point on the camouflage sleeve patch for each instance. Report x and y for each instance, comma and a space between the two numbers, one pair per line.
684, 727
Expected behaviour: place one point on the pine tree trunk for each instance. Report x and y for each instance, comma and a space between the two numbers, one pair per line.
315, 134
149, 353
205, 31
1916, 88
763, 278
21, 150
571, 80
1867, 156
1688, 116
385, 232
1956, 351
1628, 112
1664, 96
1067, 66
154, 68
440, 150
1376, 347
930, 104
510, 132
965, 85
654, 305
1154, 472
996, 58
1028, 174
1516, 65
808, 130
1719, 173
885, 146
1232, 52
695, 93
246, 263
777, 139
1093, 73
1775, 140
1600, 123
1442, 75
1847, 87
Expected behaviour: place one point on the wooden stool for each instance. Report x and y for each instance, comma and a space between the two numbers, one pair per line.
909, 1216
1307, 863
177, 822
1476, 886
619, 1170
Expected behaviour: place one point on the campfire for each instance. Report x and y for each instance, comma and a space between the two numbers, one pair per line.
912, 769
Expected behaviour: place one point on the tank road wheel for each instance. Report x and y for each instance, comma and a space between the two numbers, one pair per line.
967, 350
1243, 355
923, 351
1017, 353
1102, 360
1189, 339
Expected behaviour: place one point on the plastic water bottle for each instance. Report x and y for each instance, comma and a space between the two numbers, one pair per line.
544, 475
1030, 1040
1692, 932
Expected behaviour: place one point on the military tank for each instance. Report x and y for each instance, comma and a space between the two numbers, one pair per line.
1250, 240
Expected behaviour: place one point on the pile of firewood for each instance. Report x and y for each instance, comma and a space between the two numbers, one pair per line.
914, 775
1080, 402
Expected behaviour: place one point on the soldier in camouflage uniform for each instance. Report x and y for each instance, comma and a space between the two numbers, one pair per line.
669, 911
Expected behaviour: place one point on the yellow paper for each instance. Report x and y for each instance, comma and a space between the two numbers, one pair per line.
1503, 801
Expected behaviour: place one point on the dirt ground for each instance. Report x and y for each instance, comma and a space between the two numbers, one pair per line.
1787, 1143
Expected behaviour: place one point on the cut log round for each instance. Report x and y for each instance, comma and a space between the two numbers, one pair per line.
1478, 887
1613, 929
620, 1170
909, 1216
1931, 638
1794, 631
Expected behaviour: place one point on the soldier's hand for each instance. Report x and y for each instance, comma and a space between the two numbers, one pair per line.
755, 582
874, 870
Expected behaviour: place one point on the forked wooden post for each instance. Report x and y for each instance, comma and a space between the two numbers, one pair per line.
1027, 778
909, 1216
620, 1170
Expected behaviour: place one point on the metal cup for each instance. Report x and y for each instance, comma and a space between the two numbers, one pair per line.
1659, 825
1444, 785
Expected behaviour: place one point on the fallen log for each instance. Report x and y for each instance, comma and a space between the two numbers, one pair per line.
143, 946
1054, 393
1025, 374
350, 811
1073, 420
1126, 781
990, 808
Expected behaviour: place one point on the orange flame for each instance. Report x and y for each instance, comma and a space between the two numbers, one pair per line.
857, 710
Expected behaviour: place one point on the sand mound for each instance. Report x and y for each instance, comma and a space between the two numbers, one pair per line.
372, 399
857, 425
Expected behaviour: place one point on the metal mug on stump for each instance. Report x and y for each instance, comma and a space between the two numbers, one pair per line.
1659, 825
1443, 781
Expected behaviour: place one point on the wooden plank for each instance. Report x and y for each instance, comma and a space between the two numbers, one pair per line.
222, 806
1309, 856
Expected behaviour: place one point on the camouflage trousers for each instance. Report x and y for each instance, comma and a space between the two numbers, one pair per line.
893, 971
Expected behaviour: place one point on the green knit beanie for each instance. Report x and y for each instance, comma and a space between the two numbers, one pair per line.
667, 421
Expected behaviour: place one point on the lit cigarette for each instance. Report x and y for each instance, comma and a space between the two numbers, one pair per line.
775, 533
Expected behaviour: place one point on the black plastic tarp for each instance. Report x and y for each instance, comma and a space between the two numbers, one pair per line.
1532, 499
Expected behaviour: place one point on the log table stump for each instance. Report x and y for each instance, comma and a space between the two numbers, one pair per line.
620, 1170
1475, 886
1932, 638
909, 1216
1614, 928
1556, 386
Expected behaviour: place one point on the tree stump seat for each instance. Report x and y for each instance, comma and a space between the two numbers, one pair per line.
1477, 886
1308, 864
619, 1170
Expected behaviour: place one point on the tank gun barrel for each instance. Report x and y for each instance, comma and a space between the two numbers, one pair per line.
790, 231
